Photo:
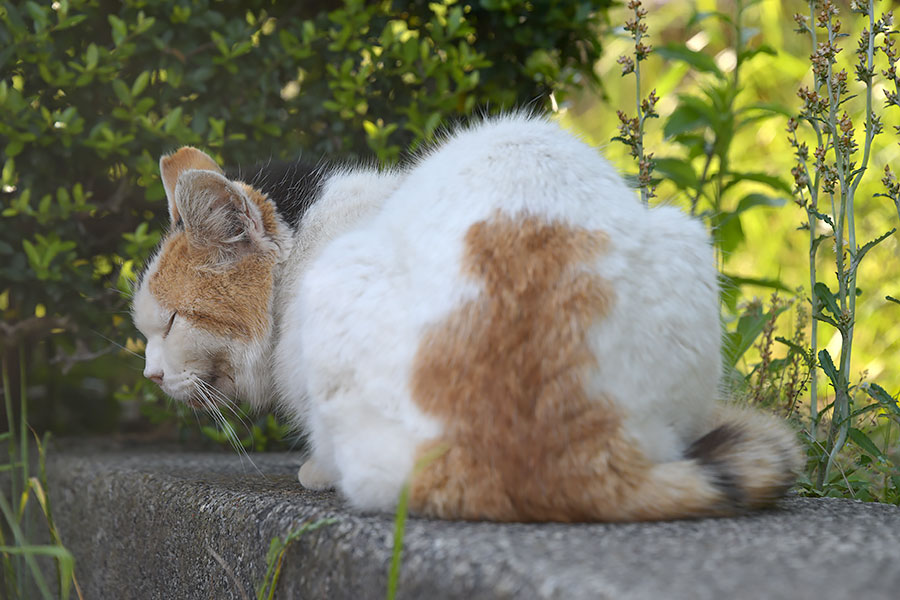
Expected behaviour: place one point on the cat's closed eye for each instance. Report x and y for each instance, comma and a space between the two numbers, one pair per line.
171, 322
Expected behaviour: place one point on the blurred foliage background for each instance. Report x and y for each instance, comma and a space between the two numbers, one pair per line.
764, 242
92, 92
727, 76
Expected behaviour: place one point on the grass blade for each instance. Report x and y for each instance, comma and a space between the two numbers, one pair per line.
275, 557
21, 543
399, 531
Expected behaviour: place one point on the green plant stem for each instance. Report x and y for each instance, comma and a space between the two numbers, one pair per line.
839, 425
23, 416
847, 278
399, 532
813, 248
21, 543
12, 570
851, 218
814, 325
870, 126
7, 399
47, 509
696, 199
645, 194
720, 150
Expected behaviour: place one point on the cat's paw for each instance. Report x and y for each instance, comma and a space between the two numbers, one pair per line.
313, 477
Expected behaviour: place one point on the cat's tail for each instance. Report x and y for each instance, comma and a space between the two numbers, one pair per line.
586, 470
747, 461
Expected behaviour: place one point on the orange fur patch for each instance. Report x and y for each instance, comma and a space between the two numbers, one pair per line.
173, 165
230, 301
270, 218
504, 373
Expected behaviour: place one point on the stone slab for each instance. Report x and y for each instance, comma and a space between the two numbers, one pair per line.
162, 523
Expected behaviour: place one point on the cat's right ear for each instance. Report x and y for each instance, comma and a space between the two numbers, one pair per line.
171, 166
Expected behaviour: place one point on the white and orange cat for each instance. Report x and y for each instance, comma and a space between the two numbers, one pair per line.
501, 325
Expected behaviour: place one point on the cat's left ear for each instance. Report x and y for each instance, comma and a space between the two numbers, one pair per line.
219, 214
171, 166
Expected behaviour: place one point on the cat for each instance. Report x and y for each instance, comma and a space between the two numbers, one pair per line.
502, 326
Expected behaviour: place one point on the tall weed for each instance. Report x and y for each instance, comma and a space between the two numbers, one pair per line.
785, 372
826, 186
21, 571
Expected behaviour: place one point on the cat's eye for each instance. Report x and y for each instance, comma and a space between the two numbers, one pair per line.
171, 322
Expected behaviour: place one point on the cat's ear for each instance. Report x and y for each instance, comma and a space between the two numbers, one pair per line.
218, 214
171, 166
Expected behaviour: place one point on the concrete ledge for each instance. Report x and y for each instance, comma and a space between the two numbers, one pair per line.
162, 523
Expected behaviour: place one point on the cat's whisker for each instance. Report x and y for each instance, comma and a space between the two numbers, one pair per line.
207, 393
225, 401
210, 406
116, 344
122, 293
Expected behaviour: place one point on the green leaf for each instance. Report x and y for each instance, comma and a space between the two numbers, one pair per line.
751, 200
816, 242
776, 109
691, 114
761, 49
172, 120
864, 442
828, 366
122, 91
702, 16
862, 251
793, 346
698, 60
880, 395
728, 231
119, 29
91, 56
70, 22
37, 13
140, 83
8, 175
775, 284
749, 326
822, 217
770, 180
824, 295
678, 171
33, 257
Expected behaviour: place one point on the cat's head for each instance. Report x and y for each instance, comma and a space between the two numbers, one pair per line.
204, 303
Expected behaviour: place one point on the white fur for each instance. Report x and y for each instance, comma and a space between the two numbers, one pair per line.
355, 318
378, 259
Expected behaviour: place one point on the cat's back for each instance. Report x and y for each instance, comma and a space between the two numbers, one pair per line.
511, 194
516, 164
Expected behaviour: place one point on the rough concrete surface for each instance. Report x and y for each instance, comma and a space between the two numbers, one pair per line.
163, 523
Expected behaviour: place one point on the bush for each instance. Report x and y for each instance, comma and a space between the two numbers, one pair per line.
92, 92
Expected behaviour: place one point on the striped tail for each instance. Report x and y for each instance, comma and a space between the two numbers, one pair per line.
747, 461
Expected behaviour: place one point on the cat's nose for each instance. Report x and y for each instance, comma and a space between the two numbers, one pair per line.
156, 377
